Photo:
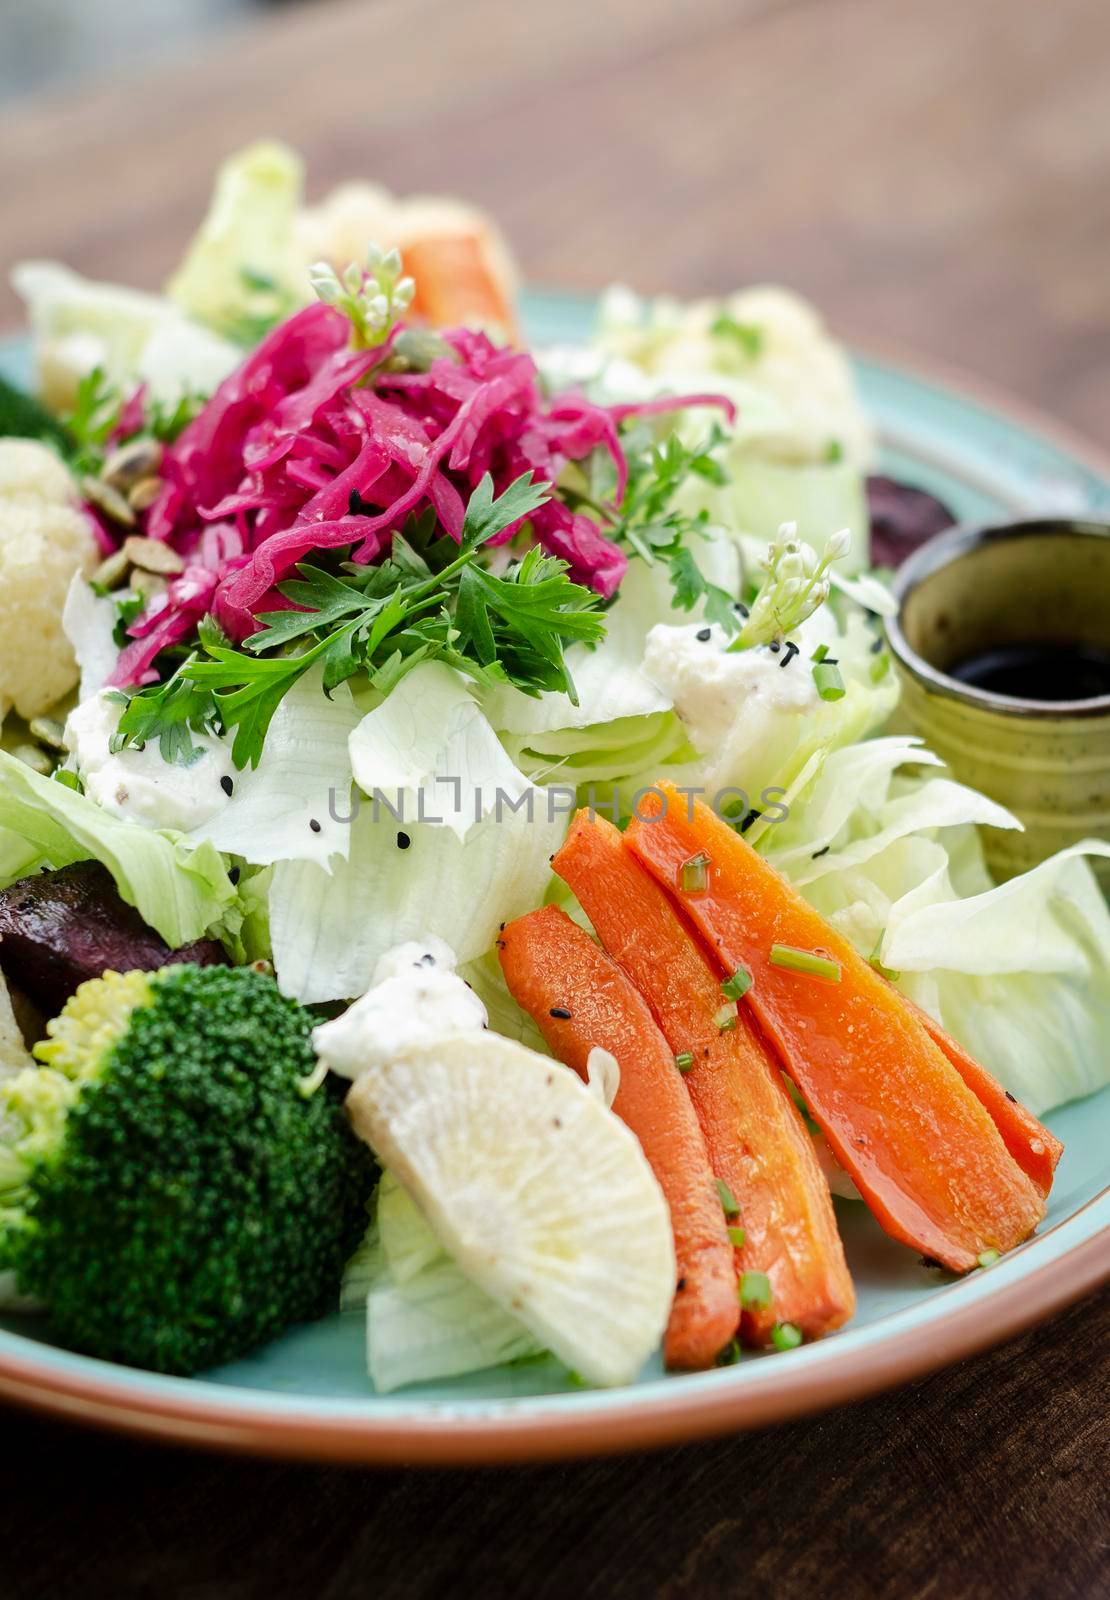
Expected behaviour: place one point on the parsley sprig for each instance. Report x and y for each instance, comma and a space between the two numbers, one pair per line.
430, 600
97, 408
651, 524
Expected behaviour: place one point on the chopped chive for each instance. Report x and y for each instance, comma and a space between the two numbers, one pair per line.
987, 1258
725, 1018
830, 685
785, 955
737, 1236
880, 666
684, 1061
820, 653
785, 1336
738, 984
755, 1291
728, 1199
730, 1355
834, 451
695, 874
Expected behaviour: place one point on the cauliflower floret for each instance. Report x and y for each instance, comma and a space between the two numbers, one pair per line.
44, 540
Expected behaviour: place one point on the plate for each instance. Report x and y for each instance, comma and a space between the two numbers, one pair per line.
307, 1395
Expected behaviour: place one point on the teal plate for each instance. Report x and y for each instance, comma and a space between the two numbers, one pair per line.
307, 1394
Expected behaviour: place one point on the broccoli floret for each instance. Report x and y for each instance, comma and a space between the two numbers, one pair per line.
175, 1183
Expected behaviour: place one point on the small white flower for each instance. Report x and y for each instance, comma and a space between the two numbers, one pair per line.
838, 546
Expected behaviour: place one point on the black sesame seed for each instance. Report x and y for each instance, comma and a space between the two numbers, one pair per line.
831, 661
791, 652
314, 825
226, 785
704, 635
1011, 1097
817, 854
427, 959
561, 1012
680, 1285
738, 605
752, 816
403, 841
233, 876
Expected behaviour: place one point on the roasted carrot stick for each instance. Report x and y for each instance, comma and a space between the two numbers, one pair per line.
1032, 1146
455, 282
757, 1142
580, 999
923, 1151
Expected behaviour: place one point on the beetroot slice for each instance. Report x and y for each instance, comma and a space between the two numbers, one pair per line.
902, 518
58, 929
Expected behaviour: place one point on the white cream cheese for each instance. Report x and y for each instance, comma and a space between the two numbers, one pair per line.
136, 784
416, 996
712, 688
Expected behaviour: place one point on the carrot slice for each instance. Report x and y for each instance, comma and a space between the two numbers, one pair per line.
757, 1142
455, 283
1032, 1146
580, 999
923, 1151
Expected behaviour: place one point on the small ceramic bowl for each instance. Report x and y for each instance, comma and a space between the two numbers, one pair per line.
975, 590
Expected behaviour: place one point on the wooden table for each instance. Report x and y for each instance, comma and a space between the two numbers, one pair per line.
937, 177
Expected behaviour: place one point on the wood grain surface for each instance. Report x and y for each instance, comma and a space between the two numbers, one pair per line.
985, 1481
937, 177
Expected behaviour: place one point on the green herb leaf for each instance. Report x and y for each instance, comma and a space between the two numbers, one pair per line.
748, 335
755, 1291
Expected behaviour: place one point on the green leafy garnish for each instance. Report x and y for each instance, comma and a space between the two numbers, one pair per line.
747, 335
755, 1291
171, 714
647, 520
738, 985
424, 603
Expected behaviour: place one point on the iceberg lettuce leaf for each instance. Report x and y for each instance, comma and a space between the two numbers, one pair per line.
181, 890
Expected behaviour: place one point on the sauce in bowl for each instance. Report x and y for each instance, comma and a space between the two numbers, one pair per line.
1037, 671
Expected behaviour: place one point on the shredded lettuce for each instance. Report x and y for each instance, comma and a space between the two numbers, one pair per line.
442, 857
424, 1319
1019, 973
303, 778
133, 338
181, 890
88, 621
242, 271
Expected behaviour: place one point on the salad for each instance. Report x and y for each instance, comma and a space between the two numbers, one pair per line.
459, 860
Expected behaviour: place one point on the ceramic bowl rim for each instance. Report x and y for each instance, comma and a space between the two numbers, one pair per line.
944, 550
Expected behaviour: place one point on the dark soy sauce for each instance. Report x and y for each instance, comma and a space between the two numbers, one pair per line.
1038, 671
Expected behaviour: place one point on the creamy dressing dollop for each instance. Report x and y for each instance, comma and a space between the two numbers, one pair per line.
710, 687
415, 996
137, 784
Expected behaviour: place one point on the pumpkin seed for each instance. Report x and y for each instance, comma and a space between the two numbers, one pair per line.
108, 500
142, 495
152, 555
131, 462
48, 731
111, 571
35, 757
149, 584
